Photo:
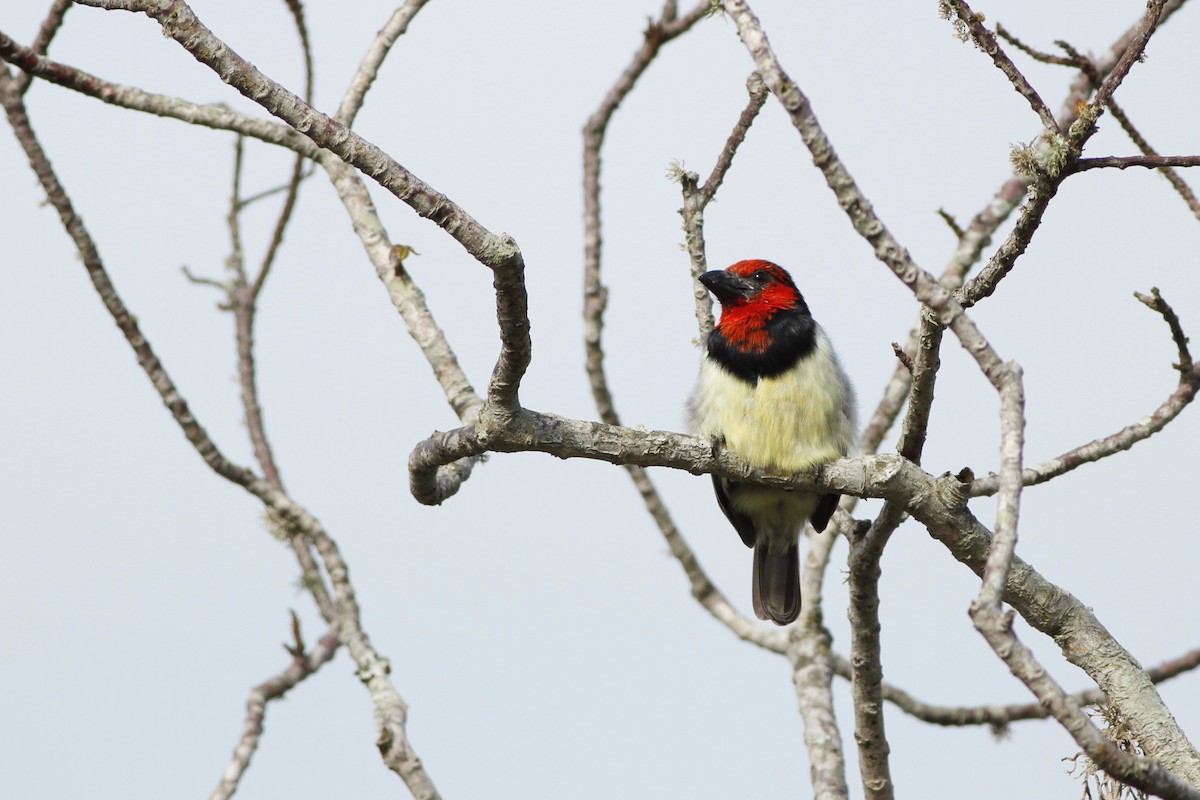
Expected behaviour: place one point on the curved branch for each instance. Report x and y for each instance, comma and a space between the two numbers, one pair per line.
595, 296
1127, 437
126, 322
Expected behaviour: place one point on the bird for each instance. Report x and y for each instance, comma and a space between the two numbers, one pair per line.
772, 390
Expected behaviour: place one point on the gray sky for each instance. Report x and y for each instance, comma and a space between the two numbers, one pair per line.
544, 638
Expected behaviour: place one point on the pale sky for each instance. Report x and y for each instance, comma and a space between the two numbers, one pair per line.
546, 642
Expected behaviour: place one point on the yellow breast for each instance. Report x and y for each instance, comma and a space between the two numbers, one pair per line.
793, 421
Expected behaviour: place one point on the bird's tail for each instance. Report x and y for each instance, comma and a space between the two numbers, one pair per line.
776, 587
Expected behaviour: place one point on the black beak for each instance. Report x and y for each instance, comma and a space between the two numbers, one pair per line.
727, 286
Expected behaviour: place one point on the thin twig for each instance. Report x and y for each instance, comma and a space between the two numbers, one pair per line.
1124, 162
1174, 178
368, 67
1133, 53
303, 665
1036, 55
45, 35
696, 198
1000, 716
595, 295
251, 199
951, 223
758, 92
217, 117
985, 40
293, 185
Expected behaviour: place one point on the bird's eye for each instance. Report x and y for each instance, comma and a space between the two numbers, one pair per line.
761, 276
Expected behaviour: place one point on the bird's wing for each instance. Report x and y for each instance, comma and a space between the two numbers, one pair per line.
825, 508
741, 522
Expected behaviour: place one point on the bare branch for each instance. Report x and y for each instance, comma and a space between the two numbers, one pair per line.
373, 668
712, 599
1124, 162
866, 655
1036, 55
985, 40
1133, 53
758, 97
1173, 177
595, 294
303, 664
497, 252
938, 504
405, 295
999, 716
216, 117
697, 198
293, 185
242, 300
810, 652
1127, 437
866, 551
1138, 771
1155, 302
368, 68
1012, 449
971, 243
147, 359
45, 34
1053, 156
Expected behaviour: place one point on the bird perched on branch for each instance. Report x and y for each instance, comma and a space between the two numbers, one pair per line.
772, 391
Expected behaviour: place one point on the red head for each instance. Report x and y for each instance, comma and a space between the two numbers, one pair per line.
752, 293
